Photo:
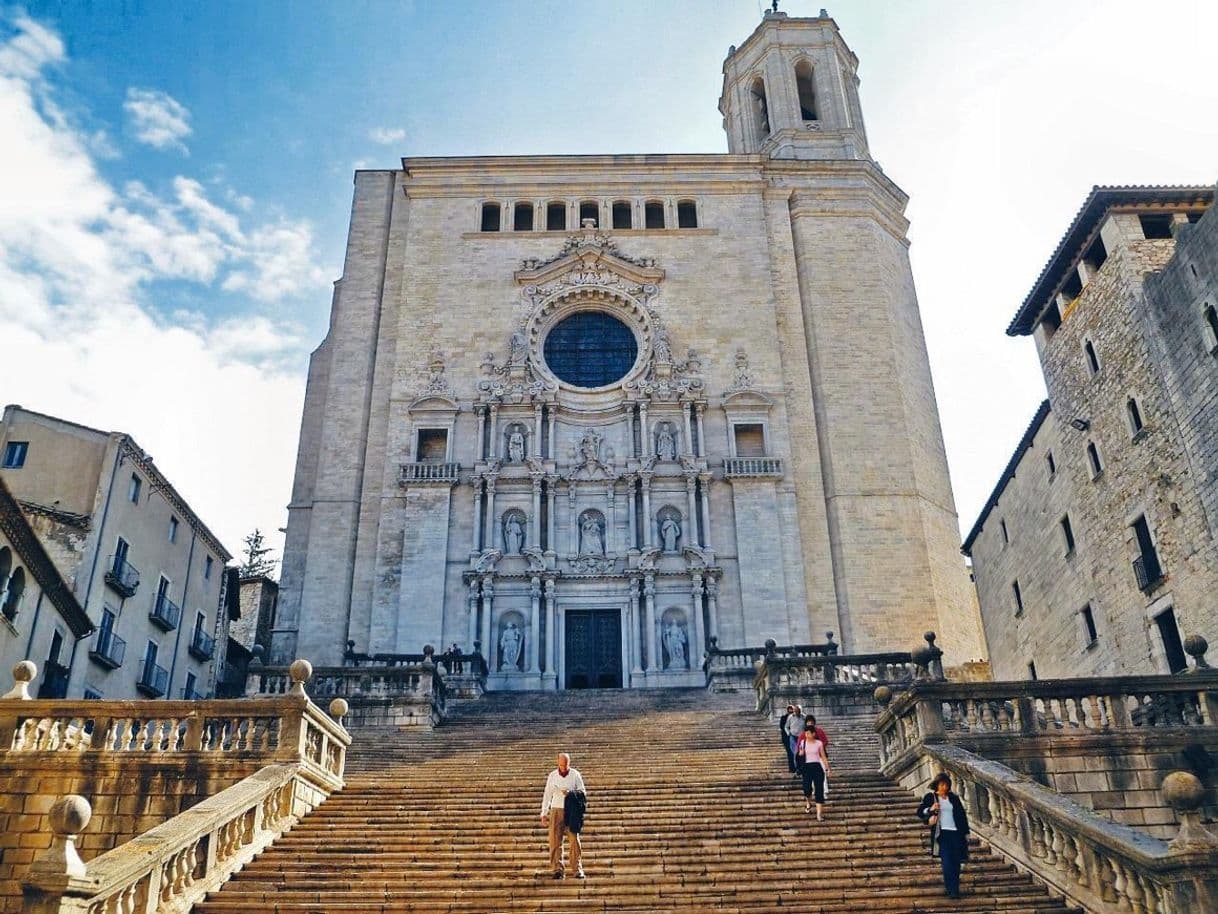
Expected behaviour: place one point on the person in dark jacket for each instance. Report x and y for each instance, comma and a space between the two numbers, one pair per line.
785, 739
944, 812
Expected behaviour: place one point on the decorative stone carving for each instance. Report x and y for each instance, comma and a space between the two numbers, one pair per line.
743, 379
697, 557
666, 441
486, 560
516, 443
676, 641
436, 382
669, 527
536, 559
514, 532
591, 457
592, 533
648, 559
593, 564
511, 644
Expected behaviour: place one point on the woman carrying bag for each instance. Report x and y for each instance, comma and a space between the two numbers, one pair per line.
811, 752
943, 811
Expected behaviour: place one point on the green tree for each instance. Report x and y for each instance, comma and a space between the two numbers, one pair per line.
258, 559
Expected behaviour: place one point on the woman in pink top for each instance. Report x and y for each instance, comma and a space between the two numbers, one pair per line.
815, 767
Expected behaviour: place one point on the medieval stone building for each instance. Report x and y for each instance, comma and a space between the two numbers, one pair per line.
1096, 553
592, 412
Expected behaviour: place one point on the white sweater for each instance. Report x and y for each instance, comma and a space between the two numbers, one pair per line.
557, 788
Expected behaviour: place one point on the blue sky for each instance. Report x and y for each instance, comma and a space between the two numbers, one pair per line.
175, 179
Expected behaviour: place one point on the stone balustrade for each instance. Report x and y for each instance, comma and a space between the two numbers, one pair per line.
428, 473
849, 678
752, 467
733, 669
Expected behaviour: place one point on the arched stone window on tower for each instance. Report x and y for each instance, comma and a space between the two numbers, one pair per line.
653, 214
761, 108
674, 639
515, 531
669, 531
590, 209
687, 214
556, 217
806, 88
623, 217
490, 217
522, 217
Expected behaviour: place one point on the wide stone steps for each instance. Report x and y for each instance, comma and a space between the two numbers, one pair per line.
691, 809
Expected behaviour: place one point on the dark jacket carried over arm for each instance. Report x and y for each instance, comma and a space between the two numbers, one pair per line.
574, 806
961, 815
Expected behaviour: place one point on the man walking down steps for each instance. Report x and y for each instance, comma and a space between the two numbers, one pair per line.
561, 781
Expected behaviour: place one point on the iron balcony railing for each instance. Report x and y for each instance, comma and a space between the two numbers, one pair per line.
108, 649
154, 679
122, 576
190, 694
202, 645
165, 613
1147, 570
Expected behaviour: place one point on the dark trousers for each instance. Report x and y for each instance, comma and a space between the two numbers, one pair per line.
951, 855
814, 777
790, 750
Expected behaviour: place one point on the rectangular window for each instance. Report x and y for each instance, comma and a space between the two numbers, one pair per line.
623, 217
1146, 566
1067, 534
200, 622
56, 648
14, 454
173, 529
121, 548
1156, 225
556, 217
1093, 360
1135, 416
750, 440
1093, 458
1051, 463
1169, 632
653, 215
522, 218
1031, 669
432, 445
150, 653
189, 691
1018, 598
1089, 631
133, 490
687, 214
207, 563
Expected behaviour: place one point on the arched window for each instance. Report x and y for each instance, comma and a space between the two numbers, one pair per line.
623, 216
687, 214
1093, 360
12, 597
589, 209
653, 214
761, 108
490, 217
1093, 457
6, 567
806, 89
556, 217
1135, 415
522, 218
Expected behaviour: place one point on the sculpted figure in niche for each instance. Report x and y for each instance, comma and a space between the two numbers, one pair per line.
670, 532
666, 442
510, 643
674, 644
518, 349
516, 446
592, 536
513, 533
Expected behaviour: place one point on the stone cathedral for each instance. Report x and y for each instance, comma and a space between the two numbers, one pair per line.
598, 413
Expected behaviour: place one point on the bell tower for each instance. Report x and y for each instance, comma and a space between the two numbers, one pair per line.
791, 92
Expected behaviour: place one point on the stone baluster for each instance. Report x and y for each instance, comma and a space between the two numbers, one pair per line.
649, 620
473, 610
535, 525
1196, 646
534, 622
705, 480
488, 598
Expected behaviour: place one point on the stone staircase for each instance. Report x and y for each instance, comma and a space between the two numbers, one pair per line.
690, 809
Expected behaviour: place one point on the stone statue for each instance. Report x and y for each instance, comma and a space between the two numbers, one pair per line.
510, 643
666, 442
518, 349
662, 346
513, 534
674, 643
592, 536
516, 447
670, 532
590, 447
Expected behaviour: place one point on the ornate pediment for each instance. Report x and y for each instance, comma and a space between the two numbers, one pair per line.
589, 260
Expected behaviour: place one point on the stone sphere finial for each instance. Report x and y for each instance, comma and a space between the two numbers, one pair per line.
922, 655
829, 637
882, 695
301, 672
930, 638
428, 651
1196, 646
259, 653
23, 674
339, 708
770, 644
477, 646
70, 815
1183, 791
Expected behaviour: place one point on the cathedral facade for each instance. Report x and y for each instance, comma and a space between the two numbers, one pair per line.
598, 413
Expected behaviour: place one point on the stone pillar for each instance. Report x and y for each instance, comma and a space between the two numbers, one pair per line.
535, 527
494, 430
553, 427
489, 648
551, 520
551, 654
534, 623
691, 527
488, 534
649, 620
712, 609
699, 409
536, 450
610, 519
695, 624
646, 430
689, 438
478, 525
647, 524
473, 614
632, 538
636, 653
572, 525
705, 480
481, 410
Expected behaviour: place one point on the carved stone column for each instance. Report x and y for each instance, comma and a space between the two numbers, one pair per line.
636, 639
610, 519
699, 409
712, 608
551, 519
646, 429
551, 653
647, 524
488, 536
572, 523
490, 648
494, 430
649, 620
553, 433
481, 410
536, 450
473, 614
534, 623
689, 437
478, 525
695, 623
705, 480
691, 526
535, 527
632, 539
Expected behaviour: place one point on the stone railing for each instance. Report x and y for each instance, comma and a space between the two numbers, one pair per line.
849, 679
406, 694
428, 473
733, 669
300, 750
1100, 865
752, 467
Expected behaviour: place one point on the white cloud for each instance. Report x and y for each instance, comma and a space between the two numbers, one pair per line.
157, 118
216, 402
386, 136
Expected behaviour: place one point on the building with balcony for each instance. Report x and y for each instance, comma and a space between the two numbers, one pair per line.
147, 571
40, 618
592, 412
1096, 553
